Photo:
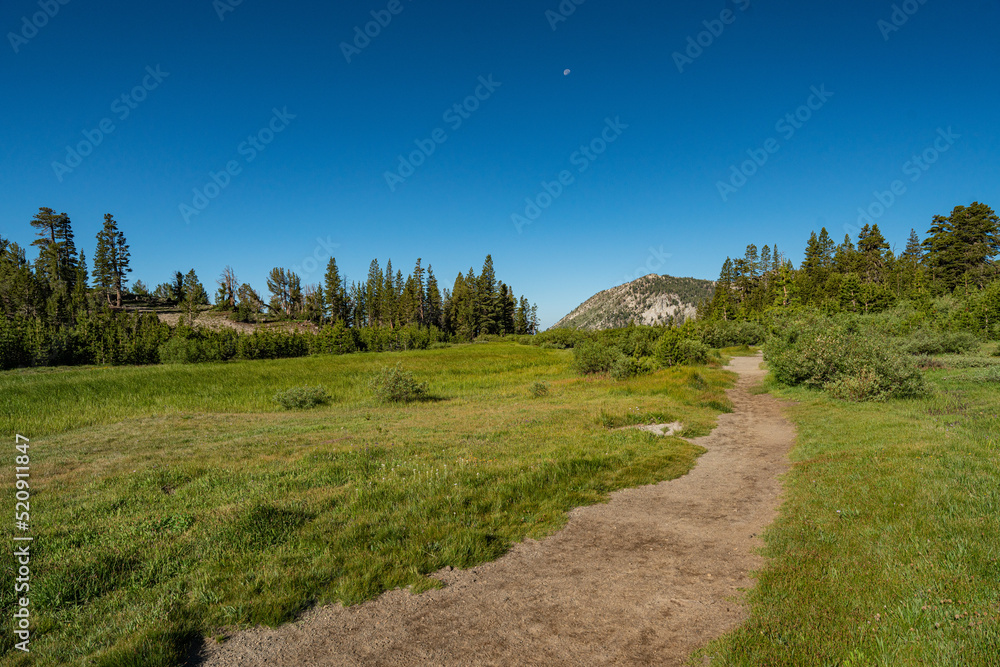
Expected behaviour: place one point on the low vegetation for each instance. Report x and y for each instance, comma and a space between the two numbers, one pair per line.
885, 551
302, 398
177, 501
842, 357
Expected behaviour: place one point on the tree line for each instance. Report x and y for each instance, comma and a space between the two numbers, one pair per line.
55, 310
956, 258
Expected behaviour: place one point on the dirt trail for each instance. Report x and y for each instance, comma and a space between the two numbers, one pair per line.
644, 579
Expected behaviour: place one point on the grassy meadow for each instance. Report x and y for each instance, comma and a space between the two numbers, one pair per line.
886, 550
170, 502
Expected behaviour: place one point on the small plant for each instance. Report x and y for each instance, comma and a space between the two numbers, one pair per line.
538, 389
395, 385
302, 398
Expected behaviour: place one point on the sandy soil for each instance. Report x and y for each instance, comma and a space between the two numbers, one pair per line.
642, 580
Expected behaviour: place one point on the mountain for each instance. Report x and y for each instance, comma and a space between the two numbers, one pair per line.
651, 299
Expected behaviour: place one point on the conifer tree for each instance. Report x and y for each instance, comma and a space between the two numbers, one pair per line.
111, 260
373, 295
277, 285
228, 285
334, 293
435, 307
177, 287
295, 295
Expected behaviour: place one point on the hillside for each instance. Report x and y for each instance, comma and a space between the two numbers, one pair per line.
651, 299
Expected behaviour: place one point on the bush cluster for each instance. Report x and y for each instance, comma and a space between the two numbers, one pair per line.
927, 341
719, 333
102, 337
392, 384
592, 357
674, 348
300, 398
840, 357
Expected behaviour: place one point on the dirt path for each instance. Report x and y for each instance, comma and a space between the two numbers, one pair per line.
644, 579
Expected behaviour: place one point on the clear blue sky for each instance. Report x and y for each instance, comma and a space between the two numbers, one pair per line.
656, 186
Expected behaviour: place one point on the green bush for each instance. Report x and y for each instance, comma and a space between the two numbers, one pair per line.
590, 357
925, 341
674, 348
300, 398
392, 384
180, 350
629, 367
559, 338
538, 389
839, 357
719, 334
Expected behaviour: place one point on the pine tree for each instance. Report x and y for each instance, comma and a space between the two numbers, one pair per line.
228, 284
435, 306
177, 287
195, 296
420, 290
46, 221
111, 261
874, 253
914, 250
333, 292
486, 299
845, 258
295, 296
67, 258
961, 247
80, 285
277, 285
521, 316
826, 248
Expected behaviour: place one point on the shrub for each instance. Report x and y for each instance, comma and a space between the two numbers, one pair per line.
673, 348
538, 389
842, 359
719, 334
560, 338
591, 357
629, 367
180, 350
300, 398
926, 362
924, 341
395, 385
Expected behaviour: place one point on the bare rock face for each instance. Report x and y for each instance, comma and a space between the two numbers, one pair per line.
648, 300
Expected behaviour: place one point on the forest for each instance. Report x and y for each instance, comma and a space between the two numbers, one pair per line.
950, 276
57, 312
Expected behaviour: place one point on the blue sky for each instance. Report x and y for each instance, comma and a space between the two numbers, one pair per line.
197, 87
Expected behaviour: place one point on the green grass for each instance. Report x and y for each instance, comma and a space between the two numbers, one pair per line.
172, 502
886, 550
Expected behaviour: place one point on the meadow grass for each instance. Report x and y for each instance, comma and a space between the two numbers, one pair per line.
173, 502
886, 549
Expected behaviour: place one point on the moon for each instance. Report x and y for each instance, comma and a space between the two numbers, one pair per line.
565, 72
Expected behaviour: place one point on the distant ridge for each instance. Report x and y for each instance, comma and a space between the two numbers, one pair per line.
648, 300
